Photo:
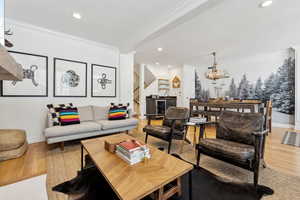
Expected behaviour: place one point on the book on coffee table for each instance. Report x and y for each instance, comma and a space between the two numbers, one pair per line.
132, 151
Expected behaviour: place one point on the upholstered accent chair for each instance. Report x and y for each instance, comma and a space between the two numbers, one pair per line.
240, 139
173, 126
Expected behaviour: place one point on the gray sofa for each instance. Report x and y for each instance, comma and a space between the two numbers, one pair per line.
93, 122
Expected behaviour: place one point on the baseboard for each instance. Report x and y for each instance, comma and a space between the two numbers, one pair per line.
35, 140
297, 126
283, 125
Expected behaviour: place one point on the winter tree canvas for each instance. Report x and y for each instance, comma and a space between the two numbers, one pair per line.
268, 76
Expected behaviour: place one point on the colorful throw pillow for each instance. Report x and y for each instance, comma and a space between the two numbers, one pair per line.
54, 112
69, 116
117, 112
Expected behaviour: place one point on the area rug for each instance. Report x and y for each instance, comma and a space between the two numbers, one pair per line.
291, 138
30, 189
63, 165
89, 184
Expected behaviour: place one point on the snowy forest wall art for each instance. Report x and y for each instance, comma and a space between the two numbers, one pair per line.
268, 76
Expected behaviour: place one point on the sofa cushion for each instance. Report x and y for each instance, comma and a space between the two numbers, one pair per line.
100, 112
86, 113
233, 150
111, 124
238, 127
57, 131
163, 132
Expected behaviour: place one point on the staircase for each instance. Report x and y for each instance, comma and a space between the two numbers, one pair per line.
148, 77
136, 93
148, 80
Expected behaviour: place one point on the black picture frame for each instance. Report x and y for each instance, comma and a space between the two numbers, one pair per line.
55, 76
92, 81
46, 76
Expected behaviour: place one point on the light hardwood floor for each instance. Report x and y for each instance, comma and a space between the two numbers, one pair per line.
283, 158
32, 163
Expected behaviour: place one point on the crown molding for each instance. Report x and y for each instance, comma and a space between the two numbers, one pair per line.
59, 34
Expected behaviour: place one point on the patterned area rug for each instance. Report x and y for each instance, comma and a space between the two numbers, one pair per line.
63, 166
291, 138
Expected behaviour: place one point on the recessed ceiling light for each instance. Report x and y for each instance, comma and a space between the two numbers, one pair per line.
76, 15
266, 3
157, 63
159, 49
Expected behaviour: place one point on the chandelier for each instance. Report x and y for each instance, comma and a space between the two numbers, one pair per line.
214, 73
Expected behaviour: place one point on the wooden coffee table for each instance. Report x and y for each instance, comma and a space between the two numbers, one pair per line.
133, 182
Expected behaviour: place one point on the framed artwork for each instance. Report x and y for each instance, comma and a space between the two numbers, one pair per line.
70, 78
103, 81
176, 82
35, 77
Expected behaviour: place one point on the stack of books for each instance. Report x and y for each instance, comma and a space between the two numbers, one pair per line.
132, 151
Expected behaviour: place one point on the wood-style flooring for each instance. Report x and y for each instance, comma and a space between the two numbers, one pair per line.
283, 158
32, 163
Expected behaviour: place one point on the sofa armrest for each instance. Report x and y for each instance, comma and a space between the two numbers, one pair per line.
130, 113
49, 120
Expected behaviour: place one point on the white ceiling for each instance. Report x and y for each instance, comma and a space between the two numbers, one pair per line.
187, 30
233, 28
122, 23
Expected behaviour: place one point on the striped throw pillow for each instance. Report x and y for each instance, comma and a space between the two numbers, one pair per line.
117, 112
54, 112
69, 116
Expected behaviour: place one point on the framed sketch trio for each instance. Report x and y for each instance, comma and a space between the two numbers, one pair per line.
69, 78
35, 77
103, 81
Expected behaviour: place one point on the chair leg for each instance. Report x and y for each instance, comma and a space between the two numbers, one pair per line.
264, 164
169, 147
256, 174
182, 142
62, 146
146, 138
198, 158
181, 146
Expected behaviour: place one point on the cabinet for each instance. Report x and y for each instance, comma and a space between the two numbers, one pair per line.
159, 104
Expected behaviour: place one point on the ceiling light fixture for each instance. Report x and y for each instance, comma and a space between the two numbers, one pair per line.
157, 63
76, 15
213, 73
266, 3
159, 49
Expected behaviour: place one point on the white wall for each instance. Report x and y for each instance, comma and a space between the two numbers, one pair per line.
126, 78
297, 83
188, 84
30, 113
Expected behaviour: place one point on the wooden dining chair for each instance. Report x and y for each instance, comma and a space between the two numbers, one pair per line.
268, 116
